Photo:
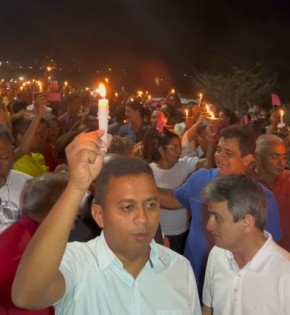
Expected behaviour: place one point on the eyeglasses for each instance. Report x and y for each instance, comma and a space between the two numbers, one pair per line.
9, 213
175, 148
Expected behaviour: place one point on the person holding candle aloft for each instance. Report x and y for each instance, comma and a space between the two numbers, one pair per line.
121, 272
277, 123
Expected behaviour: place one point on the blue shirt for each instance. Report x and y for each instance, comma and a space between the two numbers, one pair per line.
128, 131
199, 241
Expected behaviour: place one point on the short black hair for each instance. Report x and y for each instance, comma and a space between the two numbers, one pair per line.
245, 136
136, 105
121, 145
118, 166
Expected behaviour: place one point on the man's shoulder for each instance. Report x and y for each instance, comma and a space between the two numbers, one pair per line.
16, 175
170, 258
127, 128
282, 254
204, 176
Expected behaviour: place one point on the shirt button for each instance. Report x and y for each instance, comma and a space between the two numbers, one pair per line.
235, 290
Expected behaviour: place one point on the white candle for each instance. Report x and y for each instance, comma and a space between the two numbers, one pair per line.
200, 98
281, 117
40, 89
186, 115
103, 111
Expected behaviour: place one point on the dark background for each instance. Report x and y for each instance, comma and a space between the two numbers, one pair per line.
145, 44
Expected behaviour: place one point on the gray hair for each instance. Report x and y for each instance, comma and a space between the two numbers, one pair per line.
243, 194
41, 193
264, 142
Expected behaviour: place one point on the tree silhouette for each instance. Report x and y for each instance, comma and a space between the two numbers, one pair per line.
237, 90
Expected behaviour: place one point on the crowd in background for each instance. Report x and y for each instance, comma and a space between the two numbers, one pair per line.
176, 139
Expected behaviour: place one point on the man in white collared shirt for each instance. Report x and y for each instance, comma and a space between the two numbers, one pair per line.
247, 272
121, 272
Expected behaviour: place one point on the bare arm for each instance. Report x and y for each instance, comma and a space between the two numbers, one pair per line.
167, 199
211, 140
4, 116
38, 282
29, 136
206, 310
191, 132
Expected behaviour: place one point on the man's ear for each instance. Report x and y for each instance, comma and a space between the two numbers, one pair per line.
249, 222
248, 159
97, 214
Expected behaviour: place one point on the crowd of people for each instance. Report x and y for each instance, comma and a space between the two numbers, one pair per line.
183, 210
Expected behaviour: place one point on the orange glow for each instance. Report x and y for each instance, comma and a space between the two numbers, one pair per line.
102, 90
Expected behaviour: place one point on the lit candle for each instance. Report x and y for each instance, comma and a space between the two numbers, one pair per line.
173, 91
281, 117
186, 115
200, 98
212, 116
103, 111
40, 89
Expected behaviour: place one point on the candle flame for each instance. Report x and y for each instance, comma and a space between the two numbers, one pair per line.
102, 90
186, 112
49, 69
173, 91
281, 113
40, 86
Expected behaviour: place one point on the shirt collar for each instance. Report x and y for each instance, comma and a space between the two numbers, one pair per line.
260, 258
263, 255
105, 256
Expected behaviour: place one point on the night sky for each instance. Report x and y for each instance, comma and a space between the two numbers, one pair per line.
170, 37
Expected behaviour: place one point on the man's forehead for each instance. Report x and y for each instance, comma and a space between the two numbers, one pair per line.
278, 148
229, 141
133, 178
